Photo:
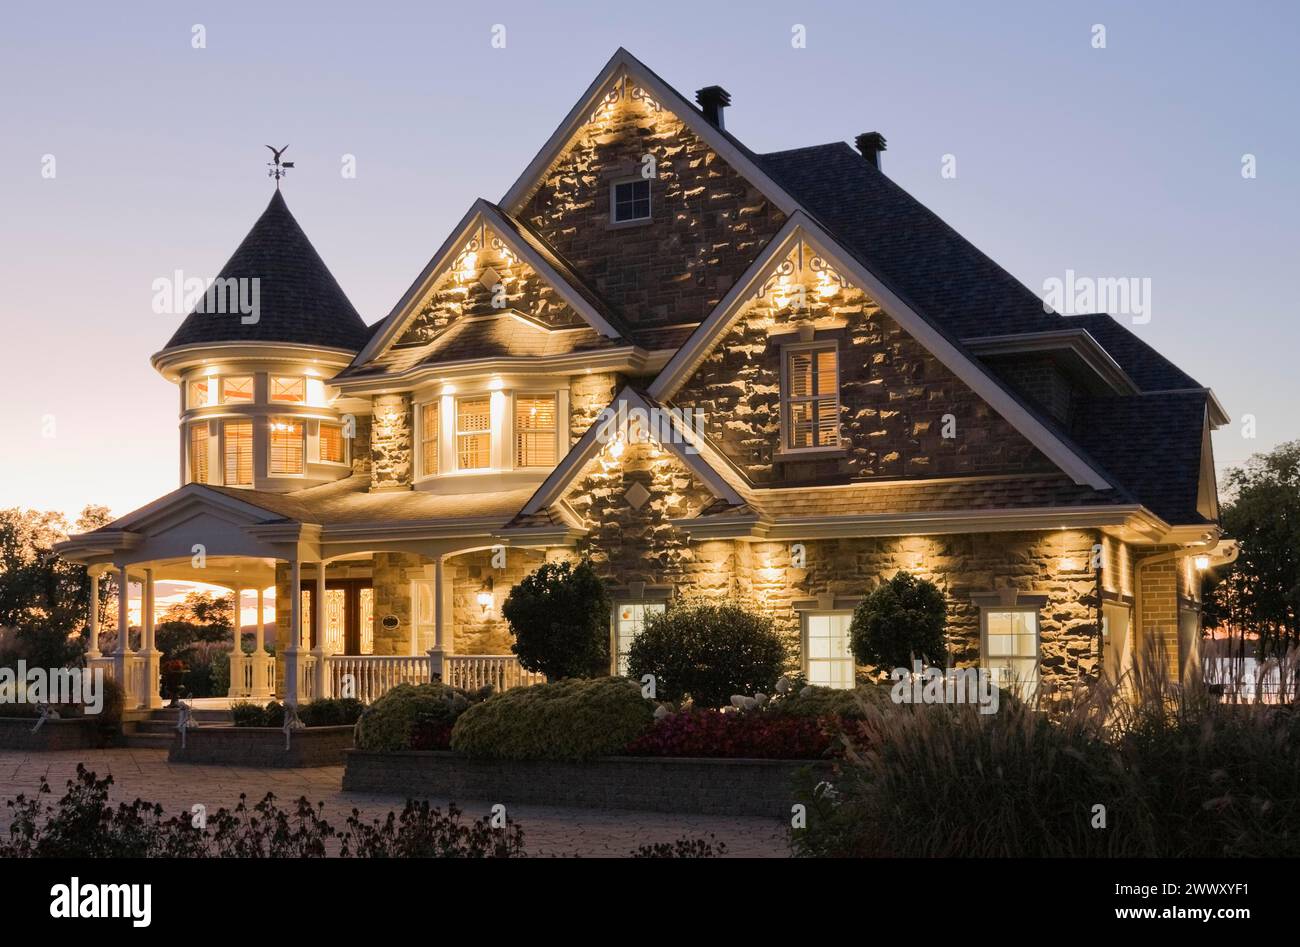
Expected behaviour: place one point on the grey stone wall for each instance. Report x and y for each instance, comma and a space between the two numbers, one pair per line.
262, 746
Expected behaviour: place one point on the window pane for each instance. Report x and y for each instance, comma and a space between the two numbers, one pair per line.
632, 200
535, 431
287, 446
239, 453
366, 619
289, 389
800, 374
331, 443
812, 398
827, 655
629, 620
429, 421
199, 452
198, 396
237, 388
473, 433
1012, 650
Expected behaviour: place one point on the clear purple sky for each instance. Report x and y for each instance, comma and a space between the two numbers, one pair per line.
1123, 161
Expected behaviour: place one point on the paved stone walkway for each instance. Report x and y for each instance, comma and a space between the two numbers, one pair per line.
146, 774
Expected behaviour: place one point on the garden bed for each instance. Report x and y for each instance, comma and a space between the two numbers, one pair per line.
263, 746
739, 787
76, 733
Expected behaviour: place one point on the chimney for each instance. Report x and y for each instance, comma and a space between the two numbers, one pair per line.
713, 99
871, 144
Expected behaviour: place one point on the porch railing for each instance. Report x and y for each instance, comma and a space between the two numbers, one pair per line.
367, 677
472, 671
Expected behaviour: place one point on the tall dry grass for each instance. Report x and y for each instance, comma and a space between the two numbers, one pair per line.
1175, 772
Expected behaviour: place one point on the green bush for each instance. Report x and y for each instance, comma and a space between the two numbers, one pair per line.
331, 712
574, 719
391, 720
707, 651
900, 620
847, 704
559, 616
248, 714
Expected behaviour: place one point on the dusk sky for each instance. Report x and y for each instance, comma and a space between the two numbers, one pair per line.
1122, 161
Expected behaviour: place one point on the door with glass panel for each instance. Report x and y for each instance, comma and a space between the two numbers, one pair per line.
348, 618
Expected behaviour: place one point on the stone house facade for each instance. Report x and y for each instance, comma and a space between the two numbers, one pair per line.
771, 378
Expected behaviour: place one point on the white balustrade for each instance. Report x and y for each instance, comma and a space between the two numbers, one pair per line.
368, 677
501, 671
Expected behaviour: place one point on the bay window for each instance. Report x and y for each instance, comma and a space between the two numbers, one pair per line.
199, 394
288, 446
238, 437
810, 396
535, 431
474, 432
287, 389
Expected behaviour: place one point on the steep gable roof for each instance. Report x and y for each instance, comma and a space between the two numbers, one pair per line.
300, 301
520, 241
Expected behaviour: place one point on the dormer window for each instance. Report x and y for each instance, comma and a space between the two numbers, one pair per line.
237, 389
288, 389
629, 201
810, 396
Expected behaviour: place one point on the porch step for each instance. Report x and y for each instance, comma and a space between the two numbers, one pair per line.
204, 715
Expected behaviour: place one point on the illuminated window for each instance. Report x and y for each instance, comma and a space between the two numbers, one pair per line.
629, 621
288, 389
199, 452
288, 448
812, 397
238, 436
1011, 648
828, 661
474, 433
333, 450
237, 389
535, 431
630, 200
198, 396
429, 421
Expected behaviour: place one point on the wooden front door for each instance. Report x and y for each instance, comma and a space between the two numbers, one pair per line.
348, 618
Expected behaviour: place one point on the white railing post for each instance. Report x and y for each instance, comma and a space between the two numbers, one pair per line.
295, 632
321, 688
92, 649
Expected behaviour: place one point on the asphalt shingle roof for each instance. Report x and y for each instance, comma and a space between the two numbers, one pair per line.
300, 301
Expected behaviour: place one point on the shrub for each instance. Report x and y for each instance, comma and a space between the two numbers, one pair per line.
407, 710
900, 620
752, 735
248, 714
559, 616
813, 701
331, 712
707, 651
684, 847
569, 720
424, 832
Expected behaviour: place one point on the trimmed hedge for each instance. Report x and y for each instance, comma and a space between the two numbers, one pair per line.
574, 719
326, 712
396, 720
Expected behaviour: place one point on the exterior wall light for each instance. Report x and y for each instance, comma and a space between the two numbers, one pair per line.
484, 597
1202, 563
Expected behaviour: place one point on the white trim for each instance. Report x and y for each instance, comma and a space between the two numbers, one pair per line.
593, 440
480, 213
801, 227
1080, 342
691, 117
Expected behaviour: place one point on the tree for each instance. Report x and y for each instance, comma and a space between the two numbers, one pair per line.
707, 651
899, 621
559, 616
200, 616
1259, 594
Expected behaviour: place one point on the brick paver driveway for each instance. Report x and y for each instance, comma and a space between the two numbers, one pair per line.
146, 774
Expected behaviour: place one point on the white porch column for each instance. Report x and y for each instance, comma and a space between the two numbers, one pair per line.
123, 633
438, 651
295, 633
152, 696
92, 649
318, 629
237, 688
263, 664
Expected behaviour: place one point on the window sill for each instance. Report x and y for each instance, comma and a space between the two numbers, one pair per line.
810, 453
626, 224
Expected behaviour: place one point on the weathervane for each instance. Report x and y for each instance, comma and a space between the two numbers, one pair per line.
278, 168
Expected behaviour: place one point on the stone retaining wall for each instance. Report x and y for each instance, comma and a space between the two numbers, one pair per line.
262, 746
706, 786
79, 734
